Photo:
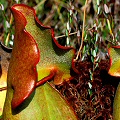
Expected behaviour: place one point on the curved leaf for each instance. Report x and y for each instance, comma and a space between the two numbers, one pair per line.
22, 75
36, 58
32, 35
114, 53
45, 103
52, 55
114, 70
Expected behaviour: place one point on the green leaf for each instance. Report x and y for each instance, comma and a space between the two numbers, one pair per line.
94, 53
52, 55
116, 105
114, 70
114, 53
0, 116
36, 58
44, 103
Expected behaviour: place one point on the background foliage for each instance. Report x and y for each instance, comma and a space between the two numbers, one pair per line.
66, 17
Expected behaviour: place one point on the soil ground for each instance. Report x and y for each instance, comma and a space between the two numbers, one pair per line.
95, 103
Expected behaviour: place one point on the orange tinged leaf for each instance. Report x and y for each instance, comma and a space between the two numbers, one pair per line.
36, 58
114, 53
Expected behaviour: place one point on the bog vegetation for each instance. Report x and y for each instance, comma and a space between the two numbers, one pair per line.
91, 27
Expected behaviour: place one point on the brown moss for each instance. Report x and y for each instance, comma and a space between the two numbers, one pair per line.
98, 104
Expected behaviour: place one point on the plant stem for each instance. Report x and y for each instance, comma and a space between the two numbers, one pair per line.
65, 35
3, 88
79, 51
8, 36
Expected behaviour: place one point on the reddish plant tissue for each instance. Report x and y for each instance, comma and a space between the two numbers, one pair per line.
94, 106
36, 58
28, 51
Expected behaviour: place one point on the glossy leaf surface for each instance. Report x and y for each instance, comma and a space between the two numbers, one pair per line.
114, 53
114, 70
44, 104
52, 55
36, 58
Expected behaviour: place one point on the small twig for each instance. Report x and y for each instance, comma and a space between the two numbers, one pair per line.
110, 30
79, 51
7, 39
8, 36
3, 88
65, 35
